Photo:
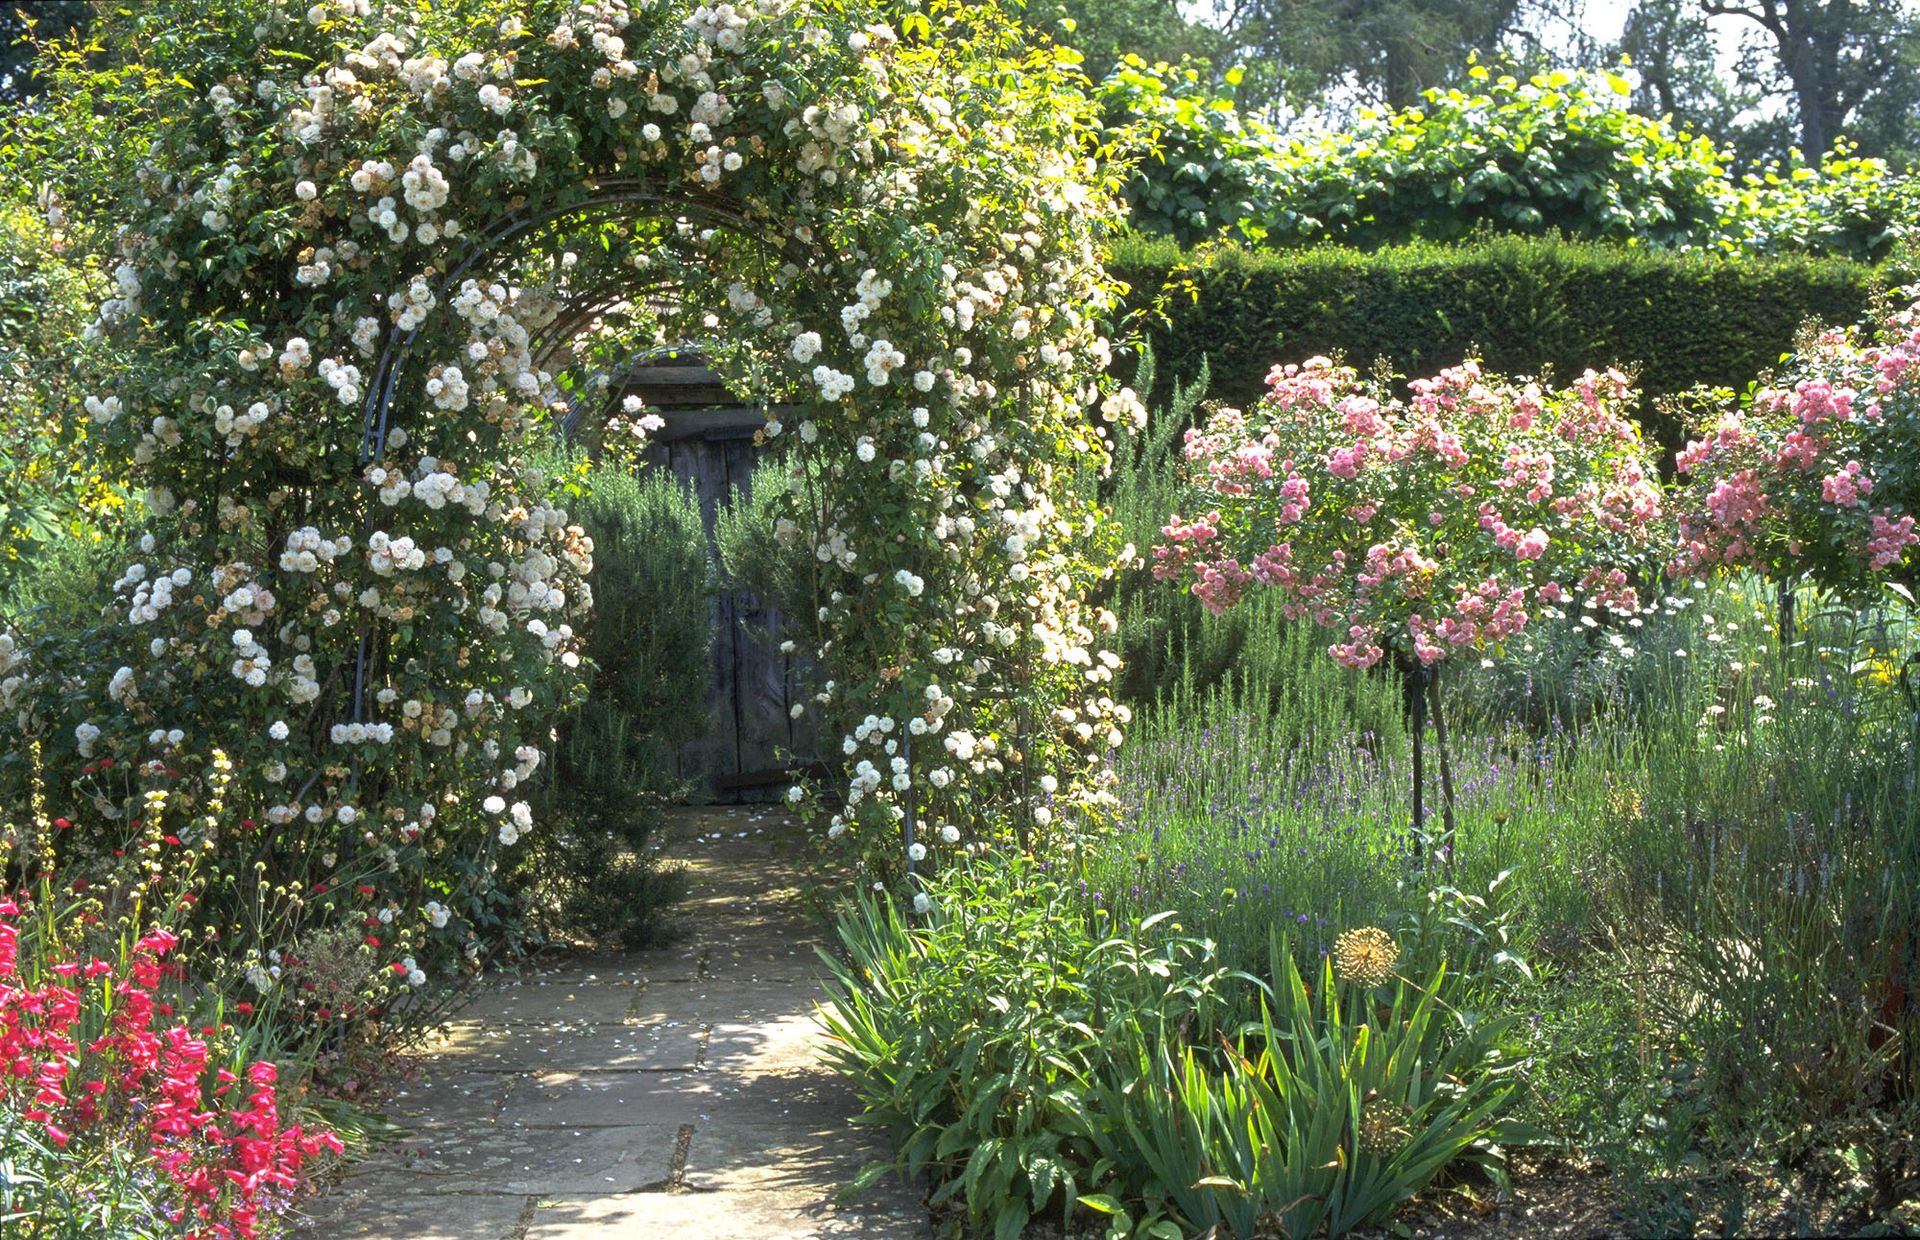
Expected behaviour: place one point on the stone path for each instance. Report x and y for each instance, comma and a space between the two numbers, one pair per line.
641, 1095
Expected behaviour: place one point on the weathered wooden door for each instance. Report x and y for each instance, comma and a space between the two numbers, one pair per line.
752, 739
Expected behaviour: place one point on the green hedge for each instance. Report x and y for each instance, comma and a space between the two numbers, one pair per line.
1527, 304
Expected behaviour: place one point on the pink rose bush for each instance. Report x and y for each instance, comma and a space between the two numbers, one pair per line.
1810, 474
1437, 524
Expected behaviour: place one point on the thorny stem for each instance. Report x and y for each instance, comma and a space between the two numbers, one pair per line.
1419, 678
1446, 767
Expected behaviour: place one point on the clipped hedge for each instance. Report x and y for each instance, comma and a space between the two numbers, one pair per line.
1527, 304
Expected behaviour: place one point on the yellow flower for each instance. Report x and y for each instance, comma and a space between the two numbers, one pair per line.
1365, 957
1383, 1128
1624, 805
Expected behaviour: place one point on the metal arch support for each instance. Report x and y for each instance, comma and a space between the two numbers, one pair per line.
609, 193
378, 411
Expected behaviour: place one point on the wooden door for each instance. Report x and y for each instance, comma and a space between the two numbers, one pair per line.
752, 738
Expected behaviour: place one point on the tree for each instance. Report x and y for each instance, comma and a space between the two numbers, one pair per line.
1390, 50
1671, 46
20, 23
1418, 530
1104, 31
1888, 122
1834, 62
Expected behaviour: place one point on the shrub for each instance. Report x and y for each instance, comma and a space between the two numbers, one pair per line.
1816, 472
127, 1107
1558, 152
1429, 527
1716, 854
649, 649
1523, 305
976, 1038
46, 293
382, 607
1032, 1056
1166, 638
70, 574
762, 553
1343, 1100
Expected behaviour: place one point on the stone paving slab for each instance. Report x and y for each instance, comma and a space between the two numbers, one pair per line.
661, 1044
347, 1214
577, 995
609, 1099
524, 1162
721, 1216
456, 1098
641, 1095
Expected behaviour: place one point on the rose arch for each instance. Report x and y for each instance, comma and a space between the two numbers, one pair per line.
355, 287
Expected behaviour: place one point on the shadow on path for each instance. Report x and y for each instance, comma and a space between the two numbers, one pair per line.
641, 1095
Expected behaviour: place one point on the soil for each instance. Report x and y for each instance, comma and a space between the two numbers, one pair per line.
1550, 1201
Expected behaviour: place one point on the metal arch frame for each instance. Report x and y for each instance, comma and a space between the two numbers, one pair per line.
607, 194
568, 324
377, 414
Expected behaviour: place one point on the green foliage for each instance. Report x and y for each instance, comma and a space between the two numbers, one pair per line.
1714, 850
757, 557
46, 296
978, 1037
262, 284
1203, 168
650, 648
1528, 305
56, 1194
64, 588
1304, 51
1104, 32
1166, 636
1555, 153
1672, 49
1031, 1063
1333, 1108
378, 621
22, 22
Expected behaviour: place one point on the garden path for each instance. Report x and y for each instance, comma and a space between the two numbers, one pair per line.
640, 1095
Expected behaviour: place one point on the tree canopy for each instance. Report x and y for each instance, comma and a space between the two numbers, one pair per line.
1762, 78
20, 23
